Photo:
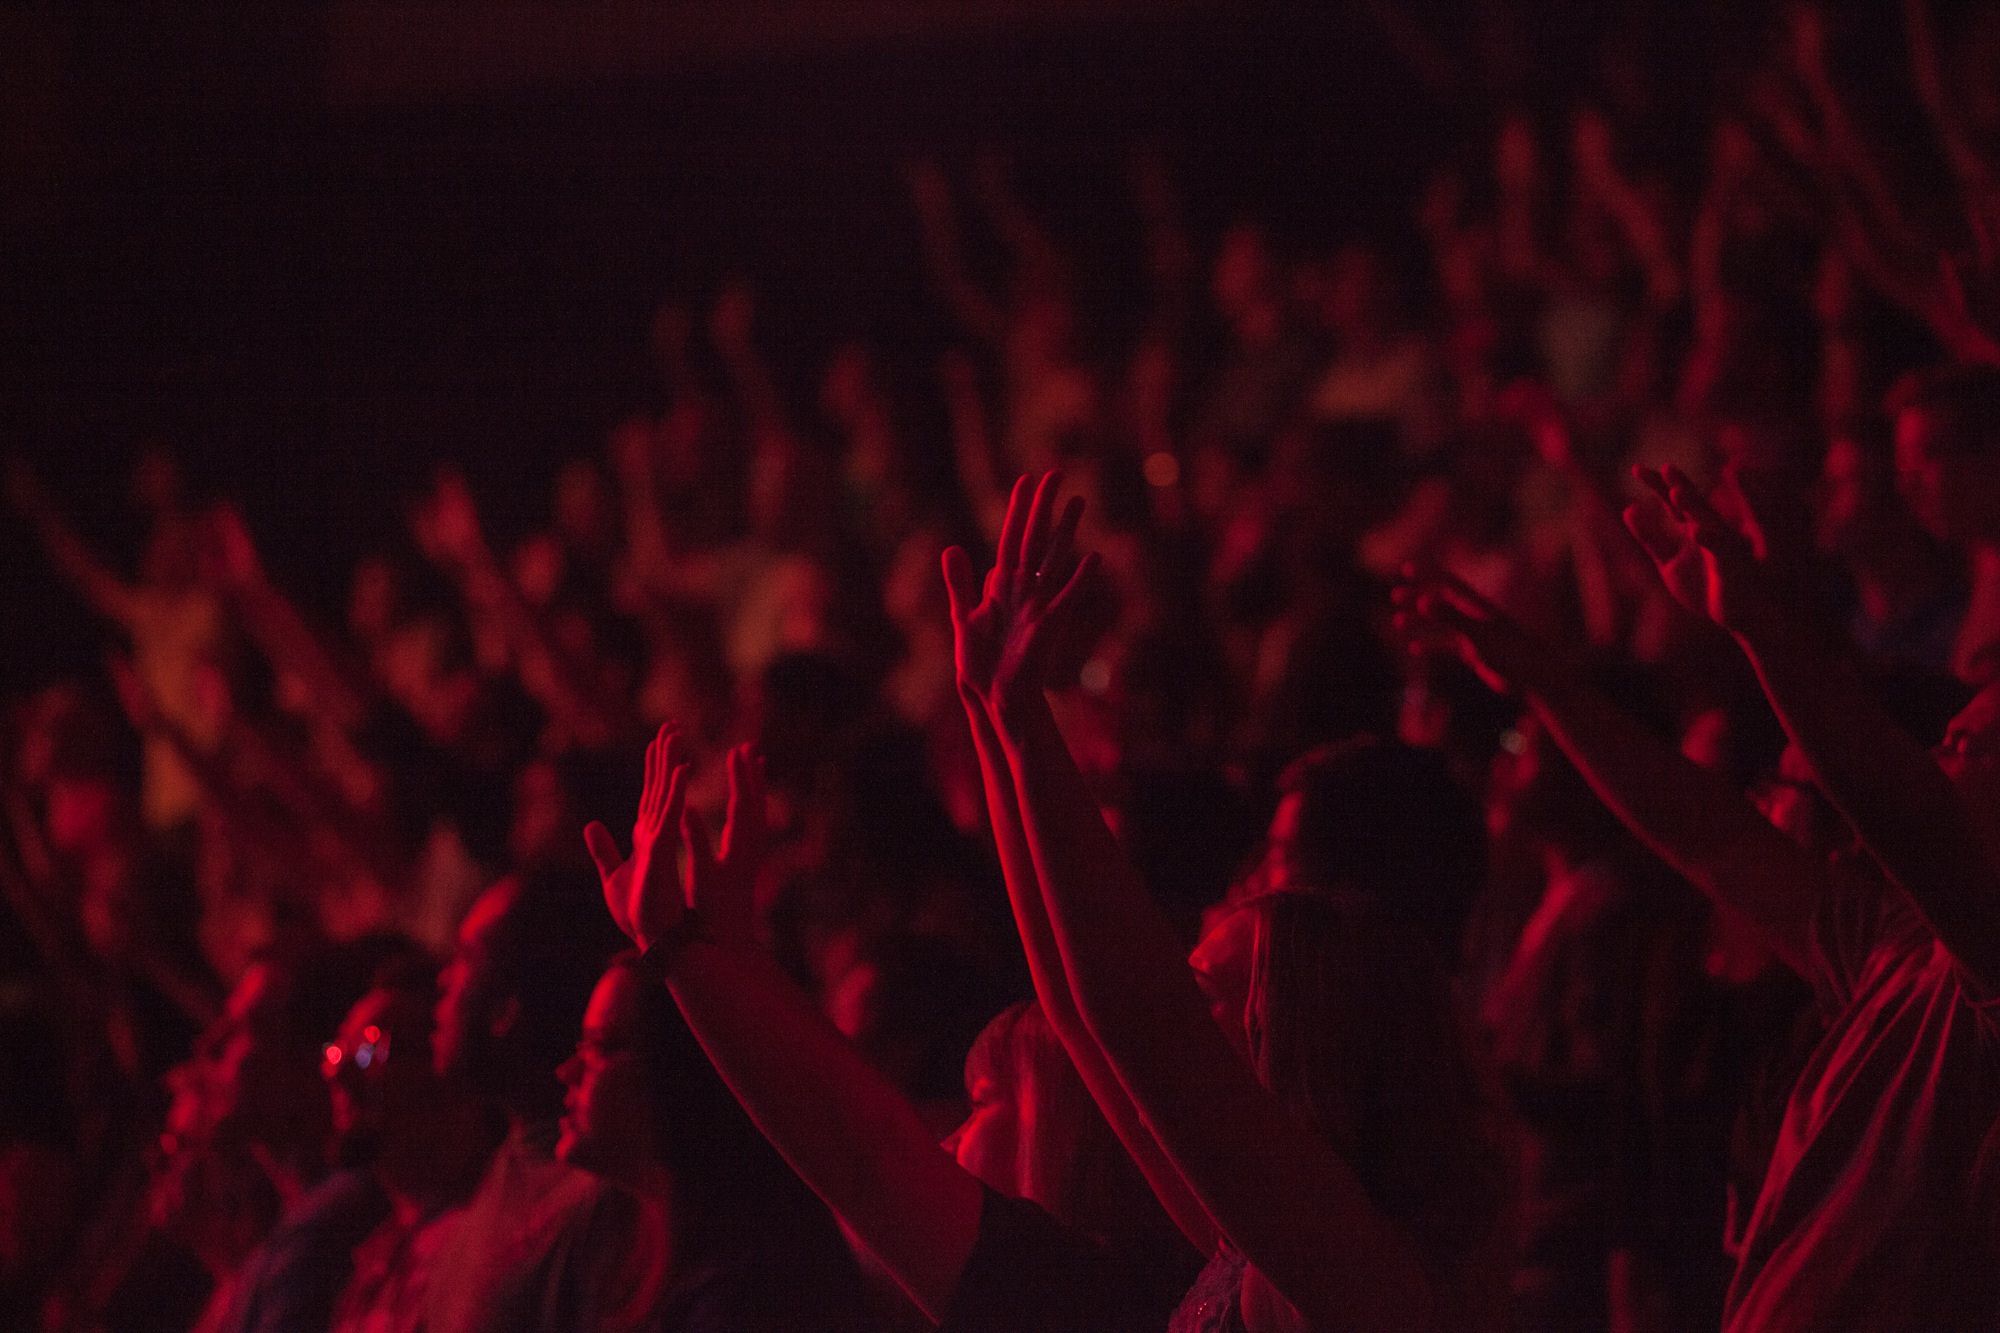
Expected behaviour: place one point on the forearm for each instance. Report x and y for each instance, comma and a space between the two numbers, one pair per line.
294, 649
1045, 969
847, 1132
1691, 817
544, 671
1891, 792
1120, 957
78, 564
1277, 1191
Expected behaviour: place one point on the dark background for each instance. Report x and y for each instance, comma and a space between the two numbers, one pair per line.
319, 251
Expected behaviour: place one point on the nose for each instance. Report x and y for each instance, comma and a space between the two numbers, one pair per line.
570, 1072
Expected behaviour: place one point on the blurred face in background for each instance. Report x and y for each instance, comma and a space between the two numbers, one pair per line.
998, 1128
473, 1014
1970, 757
1949, 483
248, 1092
378, 1072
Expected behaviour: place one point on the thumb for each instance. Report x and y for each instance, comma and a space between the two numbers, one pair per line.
603, 849
960, 585
1656, 534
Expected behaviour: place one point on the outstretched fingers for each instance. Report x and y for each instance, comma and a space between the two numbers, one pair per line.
1036, 537
1013, 529
961, 584
1653, 525
1707, 527
1059, 560
1074, 588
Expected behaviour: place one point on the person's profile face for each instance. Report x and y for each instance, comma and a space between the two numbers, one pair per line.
1969, 754
1949, 485
992, 1142
1221, 964
609, 1124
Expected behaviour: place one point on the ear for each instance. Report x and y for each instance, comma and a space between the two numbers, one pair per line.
506, 1016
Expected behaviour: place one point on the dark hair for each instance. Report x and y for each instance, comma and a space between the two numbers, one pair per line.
1387, 821
1965, 399
1072, 1163
726, 1172
1351, 1026
546, 951
321, 981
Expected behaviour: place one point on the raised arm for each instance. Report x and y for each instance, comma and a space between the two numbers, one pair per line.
848, 1133
1900, 803
107, 594
944, 261
976, 617
332, 695
1276, 1191
447, 528
1691, 817
1978, 180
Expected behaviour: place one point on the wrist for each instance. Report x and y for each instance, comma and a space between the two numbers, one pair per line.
1017, 705
658, 955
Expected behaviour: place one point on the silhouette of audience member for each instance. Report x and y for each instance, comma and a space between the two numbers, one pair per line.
1947, 424
729, 1237
244, 1176
422, 1140
540, 1242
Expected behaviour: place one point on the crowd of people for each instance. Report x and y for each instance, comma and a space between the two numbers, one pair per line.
1460, 789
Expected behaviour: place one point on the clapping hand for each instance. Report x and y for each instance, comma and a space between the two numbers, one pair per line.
644, 894
722, 881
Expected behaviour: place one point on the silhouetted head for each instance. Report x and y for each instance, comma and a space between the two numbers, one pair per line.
643, 1105
378, 1068
1385, 821
1033, 1131
510, 1000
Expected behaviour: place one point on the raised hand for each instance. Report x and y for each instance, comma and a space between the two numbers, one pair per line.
1706, 564
722, 883
644, 894
446, 523
1438, 612
232, 549
1017, 635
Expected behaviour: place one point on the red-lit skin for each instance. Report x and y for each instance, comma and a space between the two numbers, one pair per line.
610, 1122
258, 1088
1221, 962
997, 1132
1275, 1190
1969, 754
